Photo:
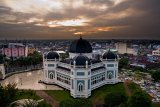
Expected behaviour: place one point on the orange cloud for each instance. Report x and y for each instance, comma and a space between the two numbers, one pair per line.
92, 30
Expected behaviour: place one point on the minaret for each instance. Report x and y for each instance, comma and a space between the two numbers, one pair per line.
80, 36
25, 48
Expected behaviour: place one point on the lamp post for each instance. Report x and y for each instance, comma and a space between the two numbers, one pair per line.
21, 80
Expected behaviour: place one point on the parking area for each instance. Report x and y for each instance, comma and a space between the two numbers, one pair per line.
145, 81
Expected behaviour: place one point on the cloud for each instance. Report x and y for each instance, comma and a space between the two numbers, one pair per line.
33, 6
93, 18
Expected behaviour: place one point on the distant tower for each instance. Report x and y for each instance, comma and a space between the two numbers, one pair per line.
25, 48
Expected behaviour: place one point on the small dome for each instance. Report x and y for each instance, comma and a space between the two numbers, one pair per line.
52, 55
109, 55
81, 60
80, 46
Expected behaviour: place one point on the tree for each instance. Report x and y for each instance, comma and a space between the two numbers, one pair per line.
156, 75
139, 99
36, 58
140, 69
30, 103
33, 59
20, 61
123, 62
1, 59
76, 103
66, 103
2, 97
115, 99
7, 94
24, 103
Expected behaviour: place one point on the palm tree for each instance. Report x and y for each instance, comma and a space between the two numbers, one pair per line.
30, 103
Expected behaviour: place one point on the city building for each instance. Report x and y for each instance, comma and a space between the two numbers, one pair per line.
31, 50
14, 50
156, 52
122, 49
138, 65
80, 73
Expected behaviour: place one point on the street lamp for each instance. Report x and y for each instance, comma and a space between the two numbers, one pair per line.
21, 80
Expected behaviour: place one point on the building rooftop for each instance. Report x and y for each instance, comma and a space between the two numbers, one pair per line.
63, 68
93, 61
98, 68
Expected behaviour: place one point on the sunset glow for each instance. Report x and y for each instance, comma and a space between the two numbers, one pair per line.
76, 22
104, 18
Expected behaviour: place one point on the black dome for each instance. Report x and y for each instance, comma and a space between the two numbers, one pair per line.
80, 46
52, 55
109, 55
81, 60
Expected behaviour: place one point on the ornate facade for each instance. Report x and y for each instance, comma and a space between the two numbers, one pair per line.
80, 73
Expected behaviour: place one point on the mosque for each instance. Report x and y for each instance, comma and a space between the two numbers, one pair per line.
80, 72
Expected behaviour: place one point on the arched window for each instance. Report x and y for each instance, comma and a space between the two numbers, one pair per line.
80, 87
51, 76
110, 75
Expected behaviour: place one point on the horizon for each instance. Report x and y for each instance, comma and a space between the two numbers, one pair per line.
46, 39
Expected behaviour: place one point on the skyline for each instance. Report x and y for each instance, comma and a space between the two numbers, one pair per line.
94, 19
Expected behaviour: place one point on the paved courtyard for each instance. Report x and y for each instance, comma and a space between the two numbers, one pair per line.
29, 80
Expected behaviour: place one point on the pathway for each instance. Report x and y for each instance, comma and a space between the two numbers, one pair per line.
126, 88
47, 98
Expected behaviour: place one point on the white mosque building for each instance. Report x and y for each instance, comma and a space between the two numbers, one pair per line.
80, 73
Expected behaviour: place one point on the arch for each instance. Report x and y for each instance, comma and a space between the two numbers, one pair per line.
51, 75
80, 87
110, 75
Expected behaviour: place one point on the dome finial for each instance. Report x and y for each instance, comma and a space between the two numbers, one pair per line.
80, 46
80, 36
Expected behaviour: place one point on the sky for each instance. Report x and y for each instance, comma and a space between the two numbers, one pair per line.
68, 19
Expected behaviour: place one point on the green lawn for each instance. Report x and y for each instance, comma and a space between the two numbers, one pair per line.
59, 95
96, 97
99, 94
27, 94
44, 104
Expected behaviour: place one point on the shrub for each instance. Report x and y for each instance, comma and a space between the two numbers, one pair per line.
115, 99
